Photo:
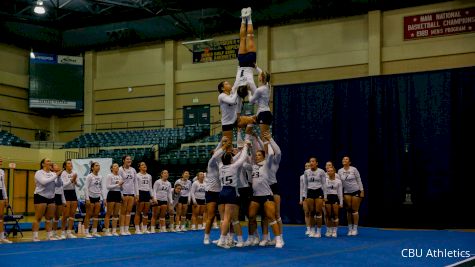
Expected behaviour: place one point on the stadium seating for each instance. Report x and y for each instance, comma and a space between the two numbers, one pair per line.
8, 139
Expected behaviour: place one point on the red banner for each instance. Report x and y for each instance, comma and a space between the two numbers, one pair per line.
439, 24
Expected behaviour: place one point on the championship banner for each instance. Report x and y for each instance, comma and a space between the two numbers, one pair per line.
82, 167
439, 24
215, 51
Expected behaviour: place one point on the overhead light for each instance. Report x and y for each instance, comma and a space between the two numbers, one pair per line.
32, 55
39, 8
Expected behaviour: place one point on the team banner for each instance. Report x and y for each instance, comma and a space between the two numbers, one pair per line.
82, 167
439, 24
216, 51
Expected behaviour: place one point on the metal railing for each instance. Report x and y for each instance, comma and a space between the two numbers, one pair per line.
46, 144
128, 125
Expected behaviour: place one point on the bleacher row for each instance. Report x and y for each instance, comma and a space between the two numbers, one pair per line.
8, 139
163, 137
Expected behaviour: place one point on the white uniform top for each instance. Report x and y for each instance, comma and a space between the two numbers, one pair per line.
185, 186
143, 182
112, 182
242, 172
58, 189
333, 187
2, 184
197, 191
174, 197
162, 190
275, 162
93, 186
313, 179
228, 174
245, 75
260, 96
260, 176
350, 180
228, 106
302, 194
128, 176
45, 183
212, 174
67, 178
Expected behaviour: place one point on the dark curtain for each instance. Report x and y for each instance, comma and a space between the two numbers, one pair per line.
406, 134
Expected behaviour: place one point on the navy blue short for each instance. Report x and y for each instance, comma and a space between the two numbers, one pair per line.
200, 201
264, 117
144, 196
229, 127
211, 196
275, 189
114, 197
58, 199
39, 199
70, 195
1, 194
228, 196
354, 194
94, 200
183, 200
315, 193
247, 60
262, 199
332, 199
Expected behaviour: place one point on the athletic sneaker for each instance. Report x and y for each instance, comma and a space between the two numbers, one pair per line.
255, 242
215, 241
263, 243
243, 12
36, 239
355, 231
329, 232
307, 232
6, 241
71, 235
107, 233
271, 242
138, 232
88, 236
96, 235
223, 245
52, 238
334, 234
247, 11
206, 241
240, 244
249, 242
279, 244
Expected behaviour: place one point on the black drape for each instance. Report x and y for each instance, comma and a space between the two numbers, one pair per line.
405, 133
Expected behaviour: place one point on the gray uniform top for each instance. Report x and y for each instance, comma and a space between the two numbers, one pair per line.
2, 184
93, 186
67, 178
350, 180
228, 174
45, 183
197, 191
185, 186
128, 176
260, 175
162, 191
333, 187
313, 179
112, 182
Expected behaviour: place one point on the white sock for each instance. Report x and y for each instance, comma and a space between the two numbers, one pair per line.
207, 236
249, 20
2, 236
308, 228
243, 21
94, 230
350, 226
35, 234
355, 227
239, 238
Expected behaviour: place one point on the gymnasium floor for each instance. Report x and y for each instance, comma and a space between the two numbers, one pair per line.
373, 247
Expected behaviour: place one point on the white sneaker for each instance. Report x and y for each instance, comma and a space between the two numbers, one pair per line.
334, 234
255, 242
355, 232
62, 236
128, 233
115, 234
243, 12
272, 242
316, 235
96, 235
172, 230
70, 235
350, 232
307, 232
88, 236
53, 238
146, 232
206, 241
328, 233
36, 239
223, 245
183, 228
240, 244
248, 11
138, 232
6, 241
248, 243
279, 244
215, 241
108, 234
263, 243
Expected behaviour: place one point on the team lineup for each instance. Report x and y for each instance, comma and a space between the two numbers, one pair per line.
241, 177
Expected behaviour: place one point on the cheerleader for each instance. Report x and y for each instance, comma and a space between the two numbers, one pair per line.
143, 195
45, 183
93, 194
262, 195
114, 199
69, 178
59, 201
3, 203
182, 207
128, 175
353, 193
313, 188
197, 197
228, 174
333, 198
302, 202
162, 195
175, 198
213, 188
